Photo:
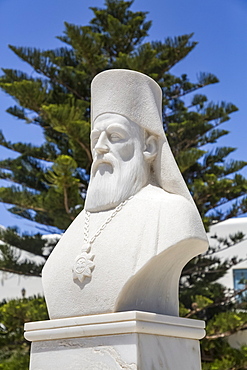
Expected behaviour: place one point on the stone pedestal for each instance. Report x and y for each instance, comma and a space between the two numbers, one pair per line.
124, 340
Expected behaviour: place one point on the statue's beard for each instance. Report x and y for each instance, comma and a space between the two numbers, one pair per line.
114, 181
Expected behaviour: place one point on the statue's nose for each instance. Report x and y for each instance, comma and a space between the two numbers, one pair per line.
101, 147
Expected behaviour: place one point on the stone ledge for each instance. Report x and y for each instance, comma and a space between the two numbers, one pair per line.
115, 324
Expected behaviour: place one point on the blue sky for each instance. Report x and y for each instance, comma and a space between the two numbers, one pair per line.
219, 26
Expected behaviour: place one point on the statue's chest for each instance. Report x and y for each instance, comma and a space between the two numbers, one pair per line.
116, 251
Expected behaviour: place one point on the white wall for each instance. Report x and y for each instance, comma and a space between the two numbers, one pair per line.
11, 285
224, 229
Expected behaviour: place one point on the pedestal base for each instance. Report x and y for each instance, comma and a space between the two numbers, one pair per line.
124, 340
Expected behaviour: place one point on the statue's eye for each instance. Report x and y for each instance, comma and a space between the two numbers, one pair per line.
114, 136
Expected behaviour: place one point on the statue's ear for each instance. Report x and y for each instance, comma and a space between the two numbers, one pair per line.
151, 148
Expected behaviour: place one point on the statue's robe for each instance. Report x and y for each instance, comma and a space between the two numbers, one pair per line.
138, 258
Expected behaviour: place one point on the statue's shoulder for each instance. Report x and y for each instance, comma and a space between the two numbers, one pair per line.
175, 212
158, 196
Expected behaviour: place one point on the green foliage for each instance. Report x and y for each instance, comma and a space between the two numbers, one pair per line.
63, 178
49, 182
14, 349
226, 321
18, 359
232, 359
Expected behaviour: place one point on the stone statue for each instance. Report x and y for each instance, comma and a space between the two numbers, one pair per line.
126, 249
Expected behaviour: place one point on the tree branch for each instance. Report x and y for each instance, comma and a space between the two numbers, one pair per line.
226, 333
84, 147
214, 304
66, 203
5, 269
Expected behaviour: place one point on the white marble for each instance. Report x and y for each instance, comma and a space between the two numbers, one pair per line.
125, 340
94, 353
126, 249
115, 323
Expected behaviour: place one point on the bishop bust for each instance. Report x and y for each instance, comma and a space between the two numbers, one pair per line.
126, 249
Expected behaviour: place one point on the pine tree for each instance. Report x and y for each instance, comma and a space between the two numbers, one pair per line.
50, 181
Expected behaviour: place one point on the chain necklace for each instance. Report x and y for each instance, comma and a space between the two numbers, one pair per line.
84, 264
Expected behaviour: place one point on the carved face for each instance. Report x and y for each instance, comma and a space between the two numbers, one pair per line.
119, 169
114, 136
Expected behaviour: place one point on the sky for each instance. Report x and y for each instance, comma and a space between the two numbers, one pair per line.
219, 27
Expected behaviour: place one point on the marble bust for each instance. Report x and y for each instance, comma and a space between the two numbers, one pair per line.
126, 249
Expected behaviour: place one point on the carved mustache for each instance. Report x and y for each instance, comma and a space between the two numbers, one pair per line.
103, 159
